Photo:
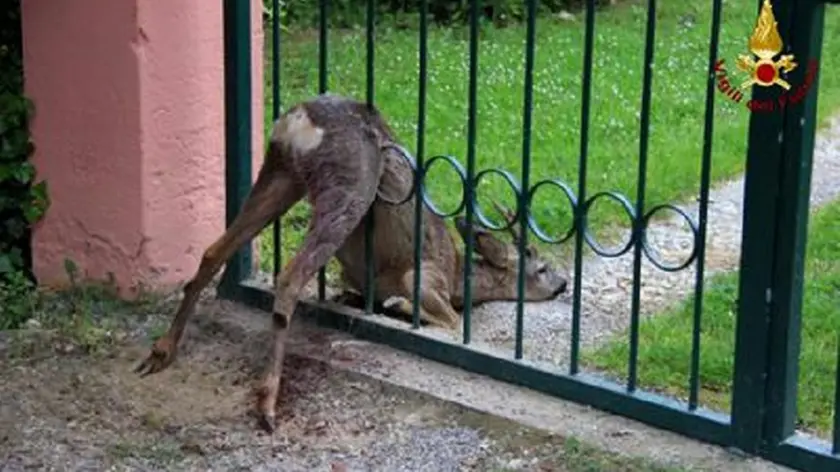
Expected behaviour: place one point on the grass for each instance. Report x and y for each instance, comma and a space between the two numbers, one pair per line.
88, 316
677, 108
664, 341
571, 455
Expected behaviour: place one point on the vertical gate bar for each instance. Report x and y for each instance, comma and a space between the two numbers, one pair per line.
371, 51
275, 114
322, 88
761, 181
805, 42
640, 195
583, 158
470, 190
527, 113
370, 276
705, 178
418, 175
835, 433
238, 127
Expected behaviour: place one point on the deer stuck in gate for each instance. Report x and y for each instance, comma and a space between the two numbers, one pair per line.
340, 155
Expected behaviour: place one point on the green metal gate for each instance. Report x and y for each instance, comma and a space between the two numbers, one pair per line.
777, 188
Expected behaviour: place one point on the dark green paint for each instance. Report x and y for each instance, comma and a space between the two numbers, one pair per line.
370, 268
526, 173
276, 228
238, 127
705, 177
580, 214
322, 88
757, 252
640, 195
421, 149
469, 191
804, 40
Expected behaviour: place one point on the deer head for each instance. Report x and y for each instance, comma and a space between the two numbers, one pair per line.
497, 266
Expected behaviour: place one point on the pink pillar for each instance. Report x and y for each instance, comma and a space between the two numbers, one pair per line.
129, 134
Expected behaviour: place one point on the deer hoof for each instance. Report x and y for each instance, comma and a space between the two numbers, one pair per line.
267, 422
266, 399
393, 302
161, 357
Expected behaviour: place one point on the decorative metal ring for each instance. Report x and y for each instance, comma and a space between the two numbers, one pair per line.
579, 209
587, 236
532, 223
462, 174
695, 232
511, 180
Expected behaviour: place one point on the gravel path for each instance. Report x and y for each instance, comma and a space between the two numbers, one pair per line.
607, 283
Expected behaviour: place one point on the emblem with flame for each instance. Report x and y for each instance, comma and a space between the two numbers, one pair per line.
765, 43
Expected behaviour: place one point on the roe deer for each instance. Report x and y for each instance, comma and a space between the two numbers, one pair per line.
340, 154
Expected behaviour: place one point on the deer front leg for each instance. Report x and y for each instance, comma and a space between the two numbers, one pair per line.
348, 294
335, 214
434, 298
404, 305
273, 194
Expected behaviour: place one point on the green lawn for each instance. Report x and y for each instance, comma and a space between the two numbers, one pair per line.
665, 341
676, 132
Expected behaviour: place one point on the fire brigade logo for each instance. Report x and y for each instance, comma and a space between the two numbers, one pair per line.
765, 43
764, 69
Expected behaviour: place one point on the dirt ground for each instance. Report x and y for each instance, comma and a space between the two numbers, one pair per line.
64, 408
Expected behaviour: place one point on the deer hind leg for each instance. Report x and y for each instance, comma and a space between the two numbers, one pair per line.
272, 195
336, 213
406, 307
435, 308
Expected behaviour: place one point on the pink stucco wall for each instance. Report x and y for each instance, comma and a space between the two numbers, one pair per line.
129, 134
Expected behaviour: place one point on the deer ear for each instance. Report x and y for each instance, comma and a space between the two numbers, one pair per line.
532, 252
493, 250
478, 229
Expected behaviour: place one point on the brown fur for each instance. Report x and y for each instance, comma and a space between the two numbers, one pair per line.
335, 151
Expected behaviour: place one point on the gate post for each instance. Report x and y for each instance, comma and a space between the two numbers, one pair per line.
776, 194
805, 42
757, 250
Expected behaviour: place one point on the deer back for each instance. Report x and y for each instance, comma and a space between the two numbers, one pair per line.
495, 268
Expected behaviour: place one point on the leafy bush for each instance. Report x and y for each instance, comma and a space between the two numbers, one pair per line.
22, 202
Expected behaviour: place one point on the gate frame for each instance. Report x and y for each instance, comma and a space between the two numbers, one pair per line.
769, 319
770, 291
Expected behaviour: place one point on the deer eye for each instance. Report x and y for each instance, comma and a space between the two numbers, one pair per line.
542, 269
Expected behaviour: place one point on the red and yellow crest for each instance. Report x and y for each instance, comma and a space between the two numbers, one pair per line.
765, 43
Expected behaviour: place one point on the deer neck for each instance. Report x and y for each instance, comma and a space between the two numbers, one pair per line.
488, 284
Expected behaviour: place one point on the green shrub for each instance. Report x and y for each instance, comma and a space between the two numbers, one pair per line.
22, 202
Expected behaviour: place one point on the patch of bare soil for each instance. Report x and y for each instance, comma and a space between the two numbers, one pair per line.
77, 411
